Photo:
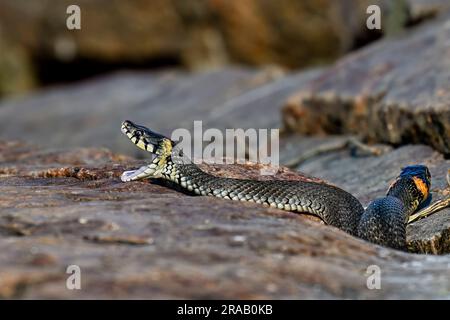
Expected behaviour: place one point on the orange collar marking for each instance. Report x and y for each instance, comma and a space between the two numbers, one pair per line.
421, 186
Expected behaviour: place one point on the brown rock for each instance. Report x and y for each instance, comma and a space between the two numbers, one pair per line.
394, 91
420, 9
194, 34
201, 33
202, 247
16, 75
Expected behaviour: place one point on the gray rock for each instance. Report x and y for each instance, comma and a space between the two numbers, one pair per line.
393, 91
90, 113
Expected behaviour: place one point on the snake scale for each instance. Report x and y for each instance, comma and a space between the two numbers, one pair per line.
383, 222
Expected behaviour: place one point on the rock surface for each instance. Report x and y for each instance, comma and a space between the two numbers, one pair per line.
394, 91
90, 113
144, 240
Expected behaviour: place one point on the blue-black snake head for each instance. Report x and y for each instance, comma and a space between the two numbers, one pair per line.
384, 220
412, 186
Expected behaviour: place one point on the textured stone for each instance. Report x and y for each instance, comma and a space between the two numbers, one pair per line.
144, 240
394, 91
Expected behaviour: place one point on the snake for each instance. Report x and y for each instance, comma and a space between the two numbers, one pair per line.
383, 222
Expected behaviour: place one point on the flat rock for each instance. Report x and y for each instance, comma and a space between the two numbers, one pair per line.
368, 177
144, 240
90, 113
393, 91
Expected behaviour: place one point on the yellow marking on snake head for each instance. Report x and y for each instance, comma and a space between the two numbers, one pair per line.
421, 186
129, 135
165, 148
141, 144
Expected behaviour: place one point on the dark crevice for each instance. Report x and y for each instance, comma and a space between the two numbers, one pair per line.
51, 71
365, 38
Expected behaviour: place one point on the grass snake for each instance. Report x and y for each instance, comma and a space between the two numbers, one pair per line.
383, 222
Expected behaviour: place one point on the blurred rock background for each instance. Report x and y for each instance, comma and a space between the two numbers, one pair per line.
37, 49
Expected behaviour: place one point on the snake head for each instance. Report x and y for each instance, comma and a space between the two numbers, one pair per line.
421, 177
146, 139
412, 185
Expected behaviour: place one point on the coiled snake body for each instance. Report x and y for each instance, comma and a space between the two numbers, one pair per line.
383, 222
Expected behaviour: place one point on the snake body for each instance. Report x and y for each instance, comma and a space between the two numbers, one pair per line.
383, 222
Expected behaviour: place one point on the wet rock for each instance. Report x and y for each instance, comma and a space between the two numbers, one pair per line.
200, 247
368, 177
393, 91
